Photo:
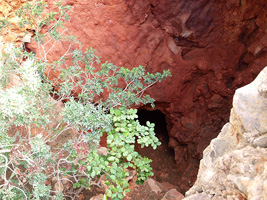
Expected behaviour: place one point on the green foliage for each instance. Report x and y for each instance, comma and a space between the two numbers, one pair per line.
4, 23
98, 99
121, 156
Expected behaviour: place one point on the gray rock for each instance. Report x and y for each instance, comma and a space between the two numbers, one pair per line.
241, 183
250, 107
261, 141
200, 196
263, 89
154, 185
173, 194
251, 136
217, 148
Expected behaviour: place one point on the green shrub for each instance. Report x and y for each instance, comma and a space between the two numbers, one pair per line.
95, 103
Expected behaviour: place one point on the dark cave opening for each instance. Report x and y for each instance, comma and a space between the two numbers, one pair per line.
165, 169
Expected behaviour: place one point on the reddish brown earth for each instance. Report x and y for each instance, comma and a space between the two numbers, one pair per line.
211, 48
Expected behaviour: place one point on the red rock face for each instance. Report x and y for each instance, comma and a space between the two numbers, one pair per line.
211, 48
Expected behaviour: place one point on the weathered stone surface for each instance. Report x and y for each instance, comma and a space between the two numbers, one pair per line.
199, 196
250, 107
211, 48
261, 141
263, 89
154, 185
173, 194
234, 165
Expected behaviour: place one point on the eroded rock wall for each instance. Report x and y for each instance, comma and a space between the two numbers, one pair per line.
211, 48
234, 165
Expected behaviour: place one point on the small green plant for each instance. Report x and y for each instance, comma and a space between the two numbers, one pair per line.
98, 99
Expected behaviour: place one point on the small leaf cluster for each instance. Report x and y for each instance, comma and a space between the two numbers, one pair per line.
126, 133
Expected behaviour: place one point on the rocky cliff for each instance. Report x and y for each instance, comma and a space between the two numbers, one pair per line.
234, 165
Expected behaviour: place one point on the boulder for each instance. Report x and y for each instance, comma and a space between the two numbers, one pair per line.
154, 185
173, 194
234, 165
250, 106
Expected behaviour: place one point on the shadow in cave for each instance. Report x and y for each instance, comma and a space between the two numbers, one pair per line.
163, 164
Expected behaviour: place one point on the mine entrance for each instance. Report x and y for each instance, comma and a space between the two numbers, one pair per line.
163, 164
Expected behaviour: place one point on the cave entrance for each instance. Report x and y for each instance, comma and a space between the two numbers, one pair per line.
164, 167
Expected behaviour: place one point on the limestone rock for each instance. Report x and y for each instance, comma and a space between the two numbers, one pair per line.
173, 194
154, 185
261, 141
263, 88
250, 106
199, 196
234, 165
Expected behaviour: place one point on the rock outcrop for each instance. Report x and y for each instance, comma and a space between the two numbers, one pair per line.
13, 33
211, 48
234, 165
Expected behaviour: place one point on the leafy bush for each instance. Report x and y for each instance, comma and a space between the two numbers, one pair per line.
97, 99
